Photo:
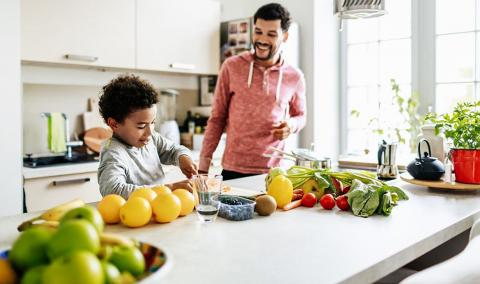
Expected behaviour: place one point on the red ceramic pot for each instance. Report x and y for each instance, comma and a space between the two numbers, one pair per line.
466, 163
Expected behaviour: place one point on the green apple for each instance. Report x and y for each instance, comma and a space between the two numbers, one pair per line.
86, 213
30, 249
110, 271
73, 235
128, 259
33, 275
79, 267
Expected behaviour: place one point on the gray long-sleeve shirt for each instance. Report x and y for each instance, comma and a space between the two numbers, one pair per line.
123, 168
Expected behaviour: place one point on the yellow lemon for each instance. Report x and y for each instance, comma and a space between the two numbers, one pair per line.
136, 212
109, 208
7, 274
166, 207
281, 189
161, 189
144, 192
186, 199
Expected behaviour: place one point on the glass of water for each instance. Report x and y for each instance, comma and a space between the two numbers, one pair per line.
207, 188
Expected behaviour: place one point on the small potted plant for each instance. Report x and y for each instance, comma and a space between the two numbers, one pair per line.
462, 127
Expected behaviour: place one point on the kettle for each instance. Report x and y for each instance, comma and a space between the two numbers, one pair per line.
387, 168
426, 167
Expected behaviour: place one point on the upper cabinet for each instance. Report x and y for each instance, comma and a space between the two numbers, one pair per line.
87, 32
159, 35
178, 36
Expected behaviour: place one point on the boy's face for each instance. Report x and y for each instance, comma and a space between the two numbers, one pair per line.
137, 127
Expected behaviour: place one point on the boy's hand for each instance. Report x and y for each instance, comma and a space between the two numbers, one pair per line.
188, 167
185, 184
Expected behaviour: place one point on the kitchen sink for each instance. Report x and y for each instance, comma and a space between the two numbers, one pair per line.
45, 161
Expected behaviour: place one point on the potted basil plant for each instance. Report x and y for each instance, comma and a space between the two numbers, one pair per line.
462, 127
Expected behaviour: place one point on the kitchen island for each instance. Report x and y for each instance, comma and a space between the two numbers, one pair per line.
303, 245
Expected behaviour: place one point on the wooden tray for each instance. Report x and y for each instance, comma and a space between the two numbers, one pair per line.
440, 184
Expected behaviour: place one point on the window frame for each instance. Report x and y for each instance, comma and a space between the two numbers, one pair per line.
423, 80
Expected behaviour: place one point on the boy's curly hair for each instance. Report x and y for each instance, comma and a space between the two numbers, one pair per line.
124, 95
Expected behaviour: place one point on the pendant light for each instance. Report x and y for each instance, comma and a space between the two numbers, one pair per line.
358, 9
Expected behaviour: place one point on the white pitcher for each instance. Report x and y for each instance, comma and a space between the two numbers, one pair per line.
437, 142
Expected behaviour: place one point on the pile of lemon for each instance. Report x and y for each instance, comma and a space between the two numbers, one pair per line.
145, 203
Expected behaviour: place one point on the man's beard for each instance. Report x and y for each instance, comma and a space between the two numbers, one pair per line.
270, 55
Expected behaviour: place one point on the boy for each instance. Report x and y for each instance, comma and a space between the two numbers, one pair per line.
133, 156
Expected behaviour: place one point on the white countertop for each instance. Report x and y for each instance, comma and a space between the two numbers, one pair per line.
58, 170
303, 245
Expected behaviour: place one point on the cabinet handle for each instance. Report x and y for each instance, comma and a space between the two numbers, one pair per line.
78, 57
183, 66
70, 181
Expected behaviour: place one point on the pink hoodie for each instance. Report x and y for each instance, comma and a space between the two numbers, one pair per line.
248, 100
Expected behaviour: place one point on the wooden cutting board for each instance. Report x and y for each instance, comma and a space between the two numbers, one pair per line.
94, 137
439, 184
92, 117
232, 190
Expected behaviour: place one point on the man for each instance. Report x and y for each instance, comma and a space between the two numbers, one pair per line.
259, 100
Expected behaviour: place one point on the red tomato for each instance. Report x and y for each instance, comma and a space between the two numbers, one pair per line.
327, 201
309, 200
342, 203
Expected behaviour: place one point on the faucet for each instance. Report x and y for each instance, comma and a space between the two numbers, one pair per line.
68, 143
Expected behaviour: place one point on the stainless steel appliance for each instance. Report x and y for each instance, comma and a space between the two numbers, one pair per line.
302, 157
167, 126
387, 167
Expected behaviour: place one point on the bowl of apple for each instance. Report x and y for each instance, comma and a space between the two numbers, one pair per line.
77, 250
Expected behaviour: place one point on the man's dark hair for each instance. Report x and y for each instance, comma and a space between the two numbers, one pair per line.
124, 95
274, 11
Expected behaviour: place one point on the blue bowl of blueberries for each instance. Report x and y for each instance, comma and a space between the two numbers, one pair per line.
236, 208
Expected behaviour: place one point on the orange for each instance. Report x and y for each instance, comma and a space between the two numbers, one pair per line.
136, 212
187, 201
109, 208
144, 192
166, 207
161, 189
7, 274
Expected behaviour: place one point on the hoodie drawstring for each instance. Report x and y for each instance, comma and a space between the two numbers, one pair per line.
250, 75
279, 83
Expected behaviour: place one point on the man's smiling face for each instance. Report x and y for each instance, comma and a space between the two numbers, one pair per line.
268, 37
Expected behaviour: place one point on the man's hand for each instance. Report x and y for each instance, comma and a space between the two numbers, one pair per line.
281, 131
187, 166
185, 184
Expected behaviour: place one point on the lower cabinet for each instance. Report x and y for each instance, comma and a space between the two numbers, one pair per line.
46, 192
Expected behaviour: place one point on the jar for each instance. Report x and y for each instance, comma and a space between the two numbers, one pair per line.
437, 142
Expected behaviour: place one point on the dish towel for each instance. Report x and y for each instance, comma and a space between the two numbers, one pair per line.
56, 133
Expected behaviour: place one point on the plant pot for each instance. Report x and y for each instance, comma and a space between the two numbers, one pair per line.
466, 163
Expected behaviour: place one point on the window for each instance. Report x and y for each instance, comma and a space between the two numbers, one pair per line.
428, 46
377, 50
457, 52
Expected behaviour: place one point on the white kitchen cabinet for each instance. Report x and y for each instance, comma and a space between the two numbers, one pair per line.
87, 32
179, 36
46, 192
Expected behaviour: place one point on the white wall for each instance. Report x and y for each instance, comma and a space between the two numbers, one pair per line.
10, 116
326, 80
319, 43
72, 100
